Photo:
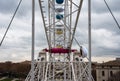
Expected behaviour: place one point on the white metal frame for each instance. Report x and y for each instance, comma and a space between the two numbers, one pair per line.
60, 67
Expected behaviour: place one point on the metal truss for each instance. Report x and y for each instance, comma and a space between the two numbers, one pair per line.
58, 67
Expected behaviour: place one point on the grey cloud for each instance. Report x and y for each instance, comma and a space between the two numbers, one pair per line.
16, 55
102, 51
101, 19
100, 6
7, 6
105, 21
114, 5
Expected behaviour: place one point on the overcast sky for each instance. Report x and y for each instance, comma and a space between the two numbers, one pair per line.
17, 44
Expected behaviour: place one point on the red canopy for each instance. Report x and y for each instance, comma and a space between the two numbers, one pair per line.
59, 50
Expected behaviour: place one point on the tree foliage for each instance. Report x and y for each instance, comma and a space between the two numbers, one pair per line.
18, 70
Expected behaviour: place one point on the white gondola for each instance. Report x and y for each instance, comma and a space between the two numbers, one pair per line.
83, 51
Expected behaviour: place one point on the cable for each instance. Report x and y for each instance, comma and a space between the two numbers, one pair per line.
10, 23
112, 14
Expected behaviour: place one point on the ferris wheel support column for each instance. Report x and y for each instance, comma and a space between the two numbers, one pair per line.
89, 32
77, 18
33, 38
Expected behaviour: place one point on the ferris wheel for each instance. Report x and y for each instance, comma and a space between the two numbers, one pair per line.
59, 62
